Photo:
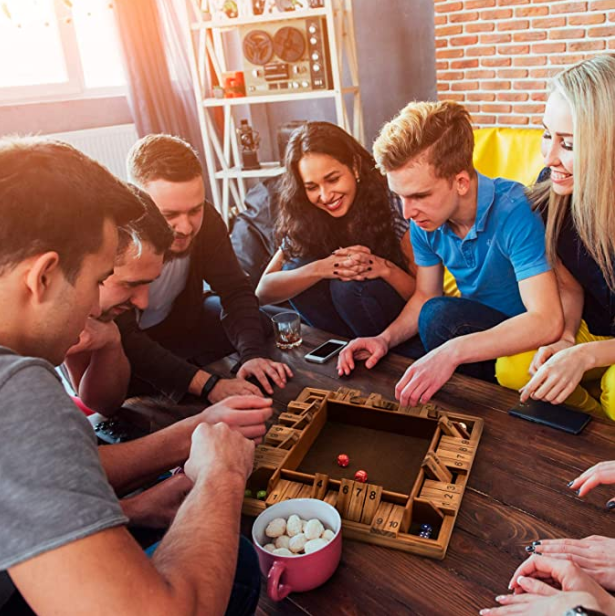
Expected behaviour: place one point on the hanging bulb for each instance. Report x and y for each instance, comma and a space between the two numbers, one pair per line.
5, 10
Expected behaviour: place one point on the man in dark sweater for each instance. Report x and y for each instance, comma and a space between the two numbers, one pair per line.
195, 328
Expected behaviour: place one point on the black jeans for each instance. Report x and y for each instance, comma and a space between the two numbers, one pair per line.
445, 318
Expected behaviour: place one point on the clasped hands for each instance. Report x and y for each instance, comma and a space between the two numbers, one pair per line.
354, 263
564, 573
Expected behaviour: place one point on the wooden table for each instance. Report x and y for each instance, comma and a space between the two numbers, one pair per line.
516, 494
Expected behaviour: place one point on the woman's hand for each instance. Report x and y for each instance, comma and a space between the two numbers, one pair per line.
556, 379
602, 473
368, 266
595, 555
339, 267
539, 577
545, 353
538, 605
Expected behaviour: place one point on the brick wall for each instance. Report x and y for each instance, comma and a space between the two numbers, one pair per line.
495, 56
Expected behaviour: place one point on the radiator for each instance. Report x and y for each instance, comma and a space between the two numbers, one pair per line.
108, 145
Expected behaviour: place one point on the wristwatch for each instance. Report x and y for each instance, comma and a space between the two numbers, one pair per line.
579, 610
210, 383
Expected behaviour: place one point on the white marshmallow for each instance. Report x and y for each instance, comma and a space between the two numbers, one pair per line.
282, 541
314, 544
327, 535
276, 528
313, 529
297, 543
293, 526
269, 547
283, 552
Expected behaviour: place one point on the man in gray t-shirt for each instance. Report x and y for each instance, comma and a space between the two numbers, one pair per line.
63, 540
54, 489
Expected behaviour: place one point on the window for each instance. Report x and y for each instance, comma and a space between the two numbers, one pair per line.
53, 49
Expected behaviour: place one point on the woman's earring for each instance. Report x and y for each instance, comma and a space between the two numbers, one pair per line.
358, 178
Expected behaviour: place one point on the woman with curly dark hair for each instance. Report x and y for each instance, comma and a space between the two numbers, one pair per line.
345, 260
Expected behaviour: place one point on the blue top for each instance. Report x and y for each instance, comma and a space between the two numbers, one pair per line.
505, 245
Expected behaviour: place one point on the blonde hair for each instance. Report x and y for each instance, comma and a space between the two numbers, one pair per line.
443, 131
589, 89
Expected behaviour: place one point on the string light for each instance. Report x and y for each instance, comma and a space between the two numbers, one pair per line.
11, 9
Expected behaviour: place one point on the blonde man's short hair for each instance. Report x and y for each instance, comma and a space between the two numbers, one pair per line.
442, 131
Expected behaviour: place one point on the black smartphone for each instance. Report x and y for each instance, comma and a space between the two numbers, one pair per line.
555, 416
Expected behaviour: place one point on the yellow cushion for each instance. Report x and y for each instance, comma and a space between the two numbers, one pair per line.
511, 153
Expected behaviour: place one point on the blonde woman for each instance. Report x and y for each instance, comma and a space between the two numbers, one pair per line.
578, 207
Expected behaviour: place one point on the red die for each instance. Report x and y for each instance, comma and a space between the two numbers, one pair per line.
343, 460
360, 476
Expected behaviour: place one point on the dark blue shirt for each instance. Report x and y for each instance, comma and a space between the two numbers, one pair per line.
599, 303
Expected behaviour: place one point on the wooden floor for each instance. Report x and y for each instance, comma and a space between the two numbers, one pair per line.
516, 494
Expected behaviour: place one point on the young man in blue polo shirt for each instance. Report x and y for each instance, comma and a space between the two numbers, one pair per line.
484, 232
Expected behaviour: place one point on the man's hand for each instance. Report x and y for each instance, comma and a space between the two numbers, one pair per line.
245, 414
556, 379
225, 388
602, 473
372, 350
264, 369
595, 555
95, 336
545, 353
426, 376
219, 451
156, 507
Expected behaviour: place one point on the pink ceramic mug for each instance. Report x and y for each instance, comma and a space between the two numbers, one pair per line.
286, 574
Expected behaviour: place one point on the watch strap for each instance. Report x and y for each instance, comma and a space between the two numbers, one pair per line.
210, 383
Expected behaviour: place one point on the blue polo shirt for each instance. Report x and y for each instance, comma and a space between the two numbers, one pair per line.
505, 245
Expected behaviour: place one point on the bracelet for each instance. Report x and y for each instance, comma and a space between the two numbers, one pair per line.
579, 610
210, 383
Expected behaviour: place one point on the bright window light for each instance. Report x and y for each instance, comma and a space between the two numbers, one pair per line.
53, 49
99, 45
30, 44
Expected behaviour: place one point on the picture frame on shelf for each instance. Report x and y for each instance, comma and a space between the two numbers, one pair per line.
230, 9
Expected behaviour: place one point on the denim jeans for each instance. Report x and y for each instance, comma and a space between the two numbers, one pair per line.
247, 582
444, 318
348, 309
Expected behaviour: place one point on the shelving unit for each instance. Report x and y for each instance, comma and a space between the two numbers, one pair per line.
209, 61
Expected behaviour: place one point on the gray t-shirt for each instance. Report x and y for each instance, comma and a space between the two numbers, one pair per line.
53, 489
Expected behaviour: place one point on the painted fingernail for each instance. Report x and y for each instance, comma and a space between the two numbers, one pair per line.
578, 492
570, 484
370, 262
535, 542
538, 553
369, 269
529, 548
610, 505
336, 265
335, 273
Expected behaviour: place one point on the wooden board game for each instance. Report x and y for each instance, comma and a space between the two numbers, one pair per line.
417, 459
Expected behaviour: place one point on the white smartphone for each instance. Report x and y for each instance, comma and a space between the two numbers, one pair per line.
325, 351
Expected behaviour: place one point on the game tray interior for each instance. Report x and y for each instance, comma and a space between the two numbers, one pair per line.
417, 461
